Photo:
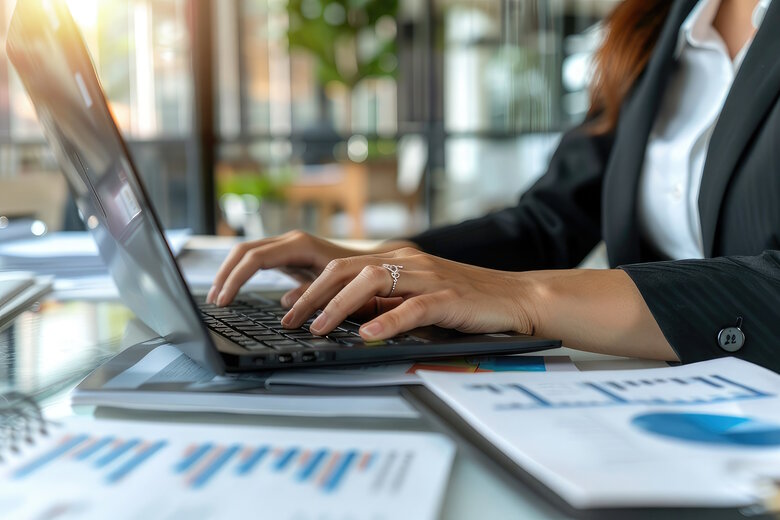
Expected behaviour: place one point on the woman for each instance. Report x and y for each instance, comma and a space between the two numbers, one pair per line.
677, 169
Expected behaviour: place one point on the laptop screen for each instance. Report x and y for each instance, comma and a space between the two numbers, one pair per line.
49, 55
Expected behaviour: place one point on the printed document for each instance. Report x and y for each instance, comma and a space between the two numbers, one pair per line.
95, 469
706, 434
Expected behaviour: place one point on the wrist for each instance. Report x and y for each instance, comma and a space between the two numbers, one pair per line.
392, 245
530, 295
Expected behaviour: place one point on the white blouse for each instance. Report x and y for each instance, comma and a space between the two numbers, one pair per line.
669, 184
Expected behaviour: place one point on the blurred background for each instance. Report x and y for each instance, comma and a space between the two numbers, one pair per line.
348, 118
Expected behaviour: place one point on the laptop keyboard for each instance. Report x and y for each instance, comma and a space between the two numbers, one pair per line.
255, 324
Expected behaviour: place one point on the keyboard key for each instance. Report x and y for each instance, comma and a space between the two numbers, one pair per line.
237, 320
244, 325
349, 327
282, 343
302, 335
270, 337
255, 331
322, 343
353, 340
341, 334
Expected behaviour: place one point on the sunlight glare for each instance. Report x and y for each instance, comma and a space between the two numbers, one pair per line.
85, 12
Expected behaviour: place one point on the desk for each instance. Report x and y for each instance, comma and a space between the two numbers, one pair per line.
47, 351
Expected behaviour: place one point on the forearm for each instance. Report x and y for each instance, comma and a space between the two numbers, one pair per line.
595, 310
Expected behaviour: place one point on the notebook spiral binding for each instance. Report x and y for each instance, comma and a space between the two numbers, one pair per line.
21, 422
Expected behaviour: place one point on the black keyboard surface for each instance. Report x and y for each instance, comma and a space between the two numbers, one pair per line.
255, 324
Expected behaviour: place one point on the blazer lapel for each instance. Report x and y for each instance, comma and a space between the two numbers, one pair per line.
637, 116
754, 91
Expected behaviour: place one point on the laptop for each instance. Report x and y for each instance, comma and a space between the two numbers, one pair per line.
49, 54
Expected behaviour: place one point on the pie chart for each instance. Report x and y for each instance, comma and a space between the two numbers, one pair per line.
726, 430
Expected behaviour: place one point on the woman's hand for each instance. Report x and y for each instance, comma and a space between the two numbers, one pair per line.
429, 291
293, 249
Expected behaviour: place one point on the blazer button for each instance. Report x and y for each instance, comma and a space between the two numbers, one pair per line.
731, 339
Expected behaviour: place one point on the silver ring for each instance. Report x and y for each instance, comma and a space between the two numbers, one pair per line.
395, 272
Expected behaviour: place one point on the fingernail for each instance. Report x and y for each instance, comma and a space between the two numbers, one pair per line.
289, 318
212, 293
286, 300
320, 322
222, 299
372, 329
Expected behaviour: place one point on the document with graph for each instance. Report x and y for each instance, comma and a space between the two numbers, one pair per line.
701, 435
112, 469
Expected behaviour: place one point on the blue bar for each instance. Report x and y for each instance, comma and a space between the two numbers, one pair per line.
678, 380
338, 473
606, 392
708, 382
205, 475
285, 459
192, 458
632, 383
86, 453
478, 386
615, 385
117, 452
753, 391
246, 466
647, 382
48, 457
311, 465
530, 394
123, 470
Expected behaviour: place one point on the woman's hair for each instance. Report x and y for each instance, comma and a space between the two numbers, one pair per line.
632, 30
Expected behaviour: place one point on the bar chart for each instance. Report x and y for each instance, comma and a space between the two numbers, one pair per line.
693, 390
117, 457
131, 469
323, 469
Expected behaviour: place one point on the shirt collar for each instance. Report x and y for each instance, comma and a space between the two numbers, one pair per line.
697, 26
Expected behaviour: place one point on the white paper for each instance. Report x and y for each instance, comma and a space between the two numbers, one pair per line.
406, 373
695, 435
64, 244
122, 470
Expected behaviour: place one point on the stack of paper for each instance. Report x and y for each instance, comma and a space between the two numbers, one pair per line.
704, 435
160, 377
107, 469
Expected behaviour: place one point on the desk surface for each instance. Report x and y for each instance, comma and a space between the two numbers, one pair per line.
47, 350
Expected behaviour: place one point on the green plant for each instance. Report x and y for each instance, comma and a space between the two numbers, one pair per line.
350, 39
262, 186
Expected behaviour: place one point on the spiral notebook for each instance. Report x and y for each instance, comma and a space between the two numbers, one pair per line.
86, 468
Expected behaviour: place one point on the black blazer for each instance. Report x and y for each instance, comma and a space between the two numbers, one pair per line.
589, 193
